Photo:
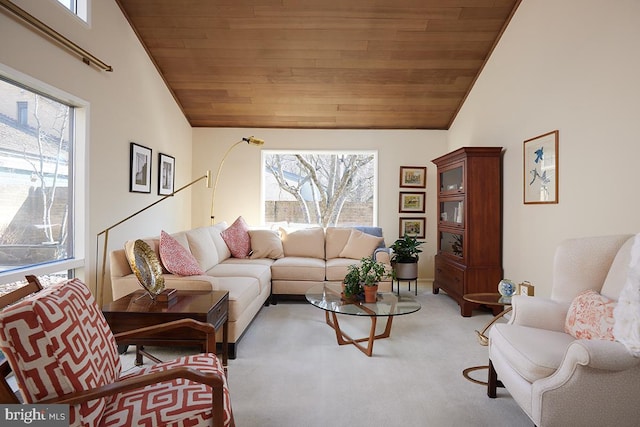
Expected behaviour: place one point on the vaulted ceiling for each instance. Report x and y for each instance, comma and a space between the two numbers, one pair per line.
323, 64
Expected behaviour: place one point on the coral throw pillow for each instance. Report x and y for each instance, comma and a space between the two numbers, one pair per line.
176, 258
590, 316
237, 238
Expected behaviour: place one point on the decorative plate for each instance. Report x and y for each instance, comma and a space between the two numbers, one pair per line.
146, 266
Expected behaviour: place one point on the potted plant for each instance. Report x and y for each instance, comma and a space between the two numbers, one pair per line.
364, 277
404, 258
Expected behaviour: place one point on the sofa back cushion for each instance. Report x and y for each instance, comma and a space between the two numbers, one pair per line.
202, 247
308, 243
216, 234
617, 276
58, 342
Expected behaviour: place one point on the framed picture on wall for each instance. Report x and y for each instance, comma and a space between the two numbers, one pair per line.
414, 227
541, 169
413, 176
411, 201
140, 169
166, 174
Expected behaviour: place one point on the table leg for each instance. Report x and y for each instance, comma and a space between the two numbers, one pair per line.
343, 338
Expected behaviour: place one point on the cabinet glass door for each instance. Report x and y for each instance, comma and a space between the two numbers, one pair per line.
452, 244
452, 179
452, 211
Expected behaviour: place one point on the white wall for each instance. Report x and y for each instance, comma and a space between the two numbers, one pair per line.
129, 104
570, 65
238, 191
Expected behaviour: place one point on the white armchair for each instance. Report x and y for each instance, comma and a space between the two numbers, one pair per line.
556, 379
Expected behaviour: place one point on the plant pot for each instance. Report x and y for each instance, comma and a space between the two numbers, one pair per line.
371, 293
406, 270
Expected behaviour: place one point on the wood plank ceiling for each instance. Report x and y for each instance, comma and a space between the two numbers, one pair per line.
323, 64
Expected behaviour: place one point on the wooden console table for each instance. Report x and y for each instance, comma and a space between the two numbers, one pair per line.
137, 310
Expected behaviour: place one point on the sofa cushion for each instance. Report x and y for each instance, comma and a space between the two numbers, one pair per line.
590, 316
201, 246
237, 238
337, 268
265, 244
257, 270
176, 258
534, 353
298, 268
308, 242
216, 234
360, 245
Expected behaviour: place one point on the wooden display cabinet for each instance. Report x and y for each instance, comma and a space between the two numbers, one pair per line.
469, 257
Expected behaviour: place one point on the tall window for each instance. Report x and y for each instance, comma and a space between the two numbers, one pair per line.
320, 187
36, 185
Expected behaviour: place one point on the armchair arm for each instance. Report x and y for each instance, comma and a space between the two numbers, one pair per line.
592, 386
601, 354
538, 312
382, 255
214, 380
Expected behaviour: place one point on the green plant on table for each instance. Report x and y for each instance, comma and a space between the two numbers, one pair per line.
367, 272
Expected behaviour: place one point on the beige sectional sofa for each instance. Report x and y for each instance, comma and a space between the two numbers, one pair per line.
284, 266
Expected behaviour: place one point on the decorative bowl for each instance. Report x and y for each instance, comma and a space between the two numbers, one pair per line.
506, 288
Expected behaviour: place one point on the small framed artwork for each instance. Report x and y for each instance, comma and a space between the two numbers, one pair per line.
140, 169
413, 176
166, 174
412, 201
414, 227
541, 169
526, 288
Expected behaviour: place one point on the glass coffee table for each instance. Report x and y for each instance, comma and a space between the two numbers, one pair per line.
328, 297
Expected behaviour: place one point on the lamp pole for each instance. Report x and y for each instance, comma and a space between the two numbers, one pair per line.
251, 141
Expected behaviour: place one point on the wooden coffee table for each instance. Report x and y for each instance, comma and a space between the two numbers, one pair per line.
137, 310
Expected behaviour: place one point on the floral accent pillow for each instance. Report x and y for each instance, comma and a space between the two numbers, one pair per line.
176, 258
237, 238
590, 316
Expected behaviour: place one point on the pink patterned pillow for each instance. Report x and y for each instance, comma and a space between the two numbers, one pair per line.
237, 238
176, 258
590, 316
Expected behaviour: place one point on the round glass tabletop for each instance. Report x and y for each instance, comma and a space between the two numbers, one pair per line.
327, 297
488, 298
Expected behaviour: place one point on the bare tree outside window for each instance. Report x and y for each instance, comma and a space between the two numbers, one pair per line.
327, 189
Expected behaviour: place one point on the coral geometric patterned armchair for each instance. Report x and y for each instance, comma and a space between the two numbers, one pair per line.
61, 350
564, 359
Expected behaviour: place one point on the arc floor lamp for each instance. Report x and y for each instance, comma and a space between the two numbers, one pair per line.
251, 141
206, 176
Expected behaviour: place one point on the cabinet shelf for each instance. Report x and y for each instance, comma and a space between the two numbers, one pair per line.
469, 256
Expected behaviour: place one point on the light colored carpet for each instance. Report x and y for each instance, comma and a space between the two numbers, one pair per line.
291, 372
